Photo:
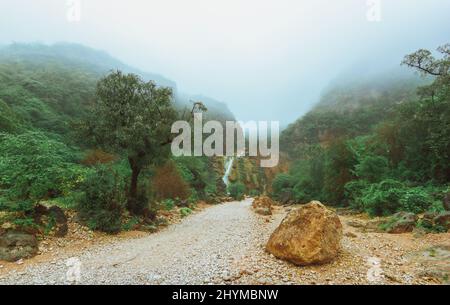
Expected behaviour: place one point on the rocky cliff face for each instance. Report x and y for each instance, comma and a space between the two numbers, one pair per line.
257, 179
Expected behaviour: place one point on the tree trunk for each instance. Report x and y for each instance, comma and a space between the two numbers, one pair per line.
132, 194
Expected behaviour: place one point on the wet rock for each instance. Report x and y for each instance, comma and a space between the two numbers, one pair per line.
308, 235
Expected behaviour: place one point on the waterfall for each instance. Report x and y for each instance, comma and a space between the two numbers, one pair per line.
228, 167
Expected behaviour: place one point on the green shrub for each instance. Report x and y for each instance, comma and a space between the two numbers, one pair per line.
254, 193
390, 196
193, 198
372, 168
168, 204
354, 191
281, 182
34, 167
26, 224
436, 207
416, 200
303, 191
382, 199
430, 227
236, 190
185, 212
103, 202
130, 224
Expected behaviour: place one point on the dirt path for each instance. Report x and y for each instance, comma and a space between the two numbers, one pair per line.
224, 244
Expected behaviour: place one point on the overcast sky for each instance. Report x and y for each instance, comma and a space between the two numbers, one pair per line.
267, 59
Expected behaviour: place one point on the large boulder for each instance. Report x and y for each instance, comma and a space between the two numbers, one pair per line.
308, 235
17, 245
401, 222
263, 205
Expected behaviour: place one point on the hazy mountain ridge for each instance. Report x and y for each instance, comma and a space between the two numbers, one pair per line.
95, 64
78, 55
351, 107
392, 86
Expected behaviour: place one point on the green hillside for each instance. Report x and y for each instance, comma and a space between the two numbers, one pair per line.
47, 94
379, 144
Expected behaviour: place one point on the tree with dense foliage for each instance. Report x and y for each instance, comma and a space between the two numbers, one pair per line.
132, 117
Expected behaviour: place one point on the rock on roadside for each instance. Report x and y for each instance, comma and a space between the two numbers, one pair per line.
17, 245
308, 235
401, 222
263, 205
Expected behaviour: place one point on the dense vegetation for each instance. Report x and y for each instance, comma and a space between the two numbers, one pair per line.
75, 135
378, 145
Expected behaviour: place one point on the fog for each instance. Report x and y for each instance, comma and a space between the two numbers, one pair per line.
267, 59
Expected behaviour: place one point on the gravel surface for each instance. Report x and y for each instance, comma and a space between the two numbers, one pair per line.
224, 244
199, 250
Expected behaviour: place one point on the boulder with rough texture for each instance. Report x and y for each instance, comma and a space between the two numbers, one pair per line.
263, 205
17, 245
308, 235
401, 222
263, 211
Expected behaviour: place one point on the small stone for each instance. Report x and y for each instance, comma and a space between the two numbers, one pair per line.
350, 234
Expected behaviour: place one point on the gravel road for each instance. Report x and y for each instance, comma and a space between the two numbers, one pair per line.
224, 244
200, 250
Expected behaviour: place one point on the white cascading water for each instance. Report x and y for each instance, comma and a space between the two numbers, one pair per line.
228, 167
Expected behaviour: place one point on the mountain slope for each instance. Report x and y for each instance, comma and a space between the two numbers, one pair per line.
48, 87
349, 108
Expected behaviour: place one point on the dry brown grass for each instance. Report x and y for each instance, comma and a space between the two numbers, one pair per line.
168, 183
